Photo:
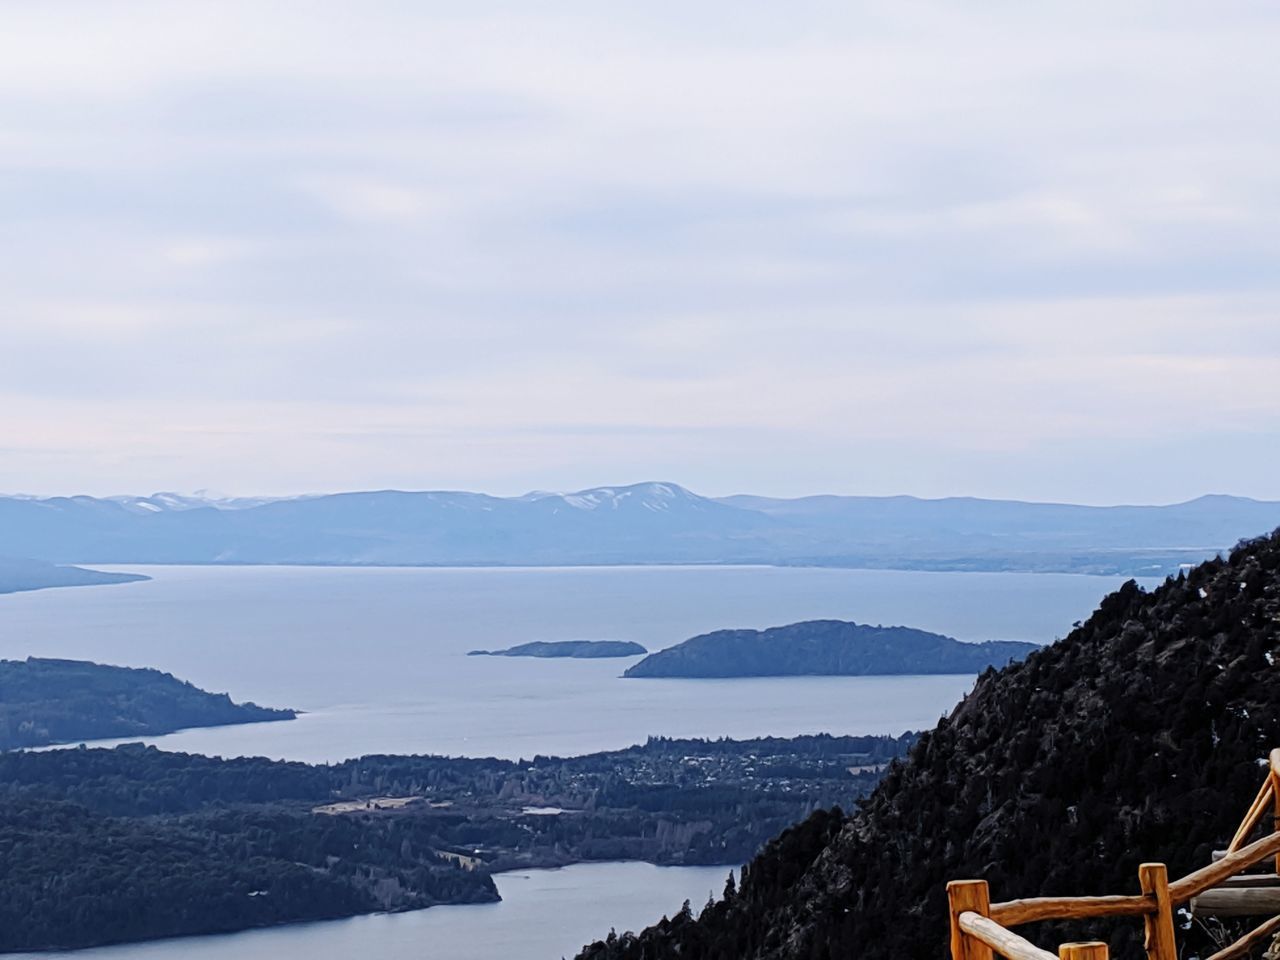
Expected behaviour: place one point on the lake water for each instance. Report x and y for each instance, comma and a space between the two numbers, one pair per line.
377, 658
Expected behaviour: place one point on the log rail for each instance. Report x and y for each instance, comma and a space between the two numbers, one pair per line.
980, 928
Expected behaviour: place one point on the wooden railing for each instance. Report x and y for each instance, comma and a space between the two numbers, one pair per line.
980, 928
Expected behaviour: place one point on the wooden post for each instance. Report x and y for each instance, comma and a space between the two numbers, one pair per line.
1237, 902
1159, 942
1092, 950
968, 895
1275, 793
1256, 809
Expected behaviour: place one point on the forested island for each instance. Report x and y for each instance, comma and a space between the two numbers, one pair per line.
44, 701
575, 649
20, 575
1137, 737
826, 648
104, 846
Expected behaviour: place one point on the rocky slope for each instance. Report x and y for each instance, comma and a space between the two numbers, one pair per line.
1137, 737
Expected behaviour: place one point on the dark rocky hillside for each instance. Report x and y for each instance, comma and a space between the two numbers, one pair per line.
1137, 737
826, 648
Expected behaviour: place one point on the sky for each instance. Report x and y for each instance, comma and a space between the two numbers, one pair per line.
999, 249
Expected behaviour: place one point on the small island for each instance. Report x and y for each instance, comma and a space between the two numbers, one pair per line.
833, 648
45, 701
573, 649
20, 575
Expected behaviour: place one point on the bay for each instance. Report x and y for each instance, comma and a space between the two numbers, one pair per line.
377, 656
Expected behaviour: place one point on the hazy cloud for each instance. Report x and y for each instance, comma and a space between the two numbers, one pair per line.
1021, 250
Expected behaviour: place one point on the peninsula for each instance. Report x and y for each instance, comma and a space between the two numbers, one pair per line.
44, 701
20, 575
574, 649
834, 648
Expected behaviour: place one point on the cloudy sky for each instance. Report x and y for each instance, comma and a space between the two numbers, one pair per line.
1000, 249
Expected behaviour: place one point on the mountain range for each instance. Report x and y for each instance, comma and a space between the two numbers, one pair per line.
641, 523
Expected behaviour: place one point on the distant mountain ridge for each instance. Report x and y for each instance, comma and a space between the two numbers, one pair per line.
166, 502
830, 648
639, 523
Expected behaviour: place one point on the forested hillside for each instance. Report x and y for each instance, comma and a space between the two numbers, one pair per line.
45, 701
1135, 738
835, 648
100, 846
75, 877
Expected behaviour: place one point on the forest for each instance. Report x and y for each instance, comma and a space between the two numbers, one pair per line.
103, 846
75, 878
44, 701
836, 648
1135, 738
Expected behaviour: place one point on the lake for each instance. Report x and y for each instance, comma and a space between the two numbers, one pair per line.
377, 658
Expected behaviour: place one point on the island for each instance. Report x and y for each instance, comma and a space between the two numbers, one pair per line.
573, 649
20, 575
140, 843
46, 701
833, 648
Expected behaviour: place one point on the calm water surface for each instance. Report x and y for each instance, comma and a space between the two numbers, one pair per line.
378, 659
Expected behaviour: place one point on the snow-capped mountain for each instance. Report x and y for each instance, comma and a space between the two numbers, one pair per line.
169, 502
653, 522
654, 497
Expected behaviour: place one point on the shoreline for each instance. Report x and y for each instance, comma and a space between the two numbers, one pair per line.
869, 565
240, 944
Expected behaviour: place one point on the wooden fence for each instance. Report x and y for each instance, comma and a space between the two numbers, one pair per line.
980, 928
